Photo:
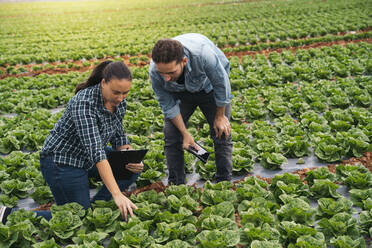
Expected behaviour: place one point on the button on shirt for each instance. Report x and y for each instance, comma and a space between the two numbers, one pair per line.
79, 138
207, 69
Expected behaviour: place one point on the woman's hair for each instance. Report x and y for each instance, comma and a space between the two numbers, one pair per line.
167, 50
106, 70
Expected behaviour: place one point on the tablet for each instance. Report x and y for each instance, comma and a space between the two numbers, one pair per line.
202, 154
118, 160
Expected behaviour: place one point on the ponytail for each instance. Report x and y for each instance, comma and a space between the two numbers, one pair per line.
105, 70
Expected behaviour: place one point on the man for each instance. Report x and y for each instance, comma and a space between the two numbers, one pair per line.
187, 72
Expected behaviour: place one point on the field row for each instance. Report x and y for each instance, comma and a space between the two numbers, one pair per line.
128, 32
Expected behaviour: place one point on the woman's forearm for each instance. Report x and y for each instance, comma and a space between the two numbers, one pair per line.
107, 177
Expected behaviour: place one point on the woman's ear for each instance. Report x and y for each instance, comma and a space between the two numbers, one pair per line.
184, 61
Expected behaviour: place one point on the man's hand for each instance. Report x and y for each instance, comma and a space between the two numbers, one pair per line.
222, 125
135, 168
188, 141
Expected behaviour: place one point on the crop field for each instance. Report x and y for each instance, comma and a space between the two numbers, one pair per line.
301, 76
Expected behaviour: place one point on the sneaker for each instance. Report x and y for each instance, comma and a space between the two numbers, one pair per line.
4, 212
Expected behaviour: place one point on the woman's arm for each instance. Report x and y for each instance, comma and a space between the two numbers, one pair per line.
124, 204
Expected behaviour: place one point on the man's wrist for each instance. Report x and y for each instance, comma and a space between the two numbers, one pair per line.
220, 112
184, 133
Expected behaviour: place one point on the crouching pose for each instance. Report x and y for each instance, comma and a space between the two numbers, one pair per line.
186, 72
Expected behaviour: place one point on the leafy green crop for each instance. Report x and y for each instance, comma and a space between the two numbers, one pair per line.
340, 224
101, 220
324, 188
249, 234
347, 241
357, 177
273, 161
218, 239
297, 210
328, 207
319, 173
62, 226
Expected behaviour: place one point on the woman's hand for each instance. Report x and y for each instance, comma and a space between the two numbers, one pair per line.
135, 168
125, 205
124, 147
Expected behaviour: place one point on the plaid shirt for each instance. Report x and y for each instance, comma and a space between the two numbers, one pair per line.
79, 138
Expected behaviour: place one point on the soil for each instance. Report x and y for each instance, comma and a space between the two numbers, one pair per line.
332, 168
56, 70
294, 49
366, 161
158, 187
237, 219
302, 173
44, 206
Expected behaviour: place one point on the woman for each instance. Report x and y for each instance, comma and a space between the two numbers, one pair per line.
76, 148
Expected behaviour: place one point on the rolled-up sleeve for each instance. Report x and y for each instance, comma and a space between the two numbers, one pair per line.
84, 118
218, 76
168, 104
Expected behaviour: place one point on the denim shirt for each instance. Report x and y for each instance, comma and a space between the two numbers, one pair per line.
79, 138
207, 69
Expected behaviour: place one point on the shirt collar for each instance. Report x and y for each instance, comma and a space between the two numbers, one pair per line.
187, 55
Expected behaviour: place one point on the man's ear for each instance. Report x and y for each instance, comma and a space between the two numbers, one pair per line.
184, 61
103, 82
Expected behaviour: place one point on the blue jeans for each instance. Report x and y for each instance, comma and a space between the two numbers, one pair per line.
173, 139
69, 184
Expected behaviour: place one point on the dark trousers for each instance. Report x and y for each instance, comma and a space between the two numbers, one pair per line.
173, 139
69, 184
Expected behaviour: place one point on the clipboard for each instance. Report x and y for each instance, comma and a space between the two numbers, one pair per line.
118, 160
202, 154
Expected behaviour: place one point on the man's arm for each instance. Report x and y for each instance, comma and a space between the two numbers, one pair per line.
221, 124
222, 91
170, 108
188, 140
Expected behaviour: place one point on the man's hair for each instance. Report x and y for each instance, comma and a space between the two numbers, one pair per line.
167, 50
